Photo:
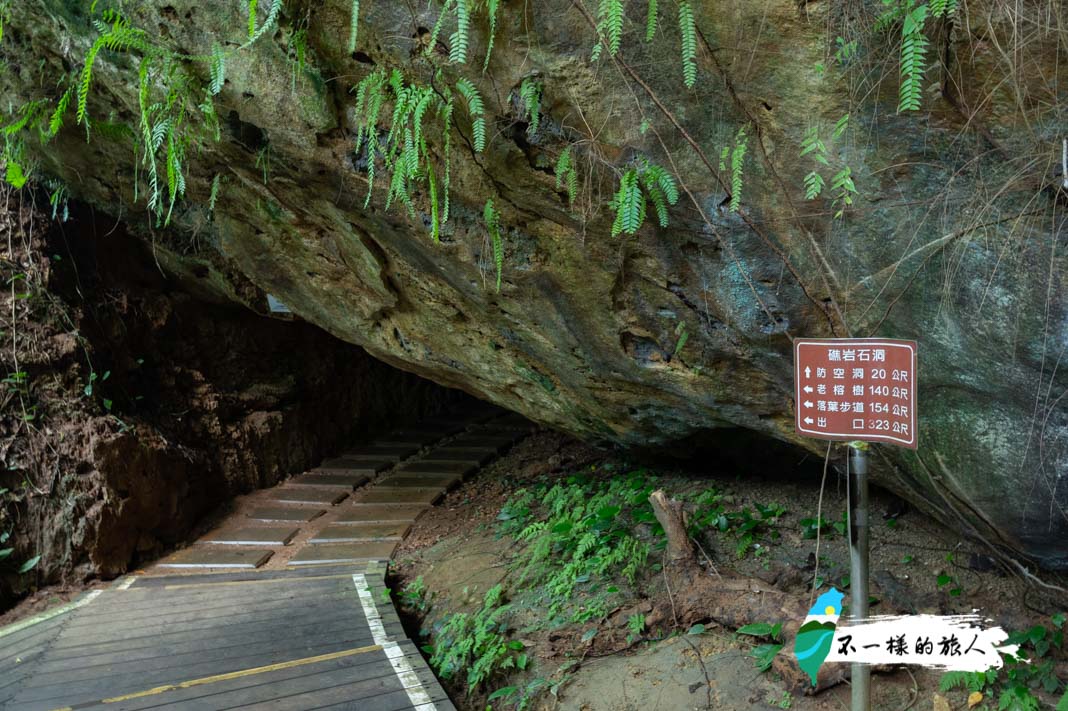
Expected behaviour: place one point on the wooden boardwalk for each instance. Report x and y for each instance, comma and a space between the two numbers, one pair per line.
306, 623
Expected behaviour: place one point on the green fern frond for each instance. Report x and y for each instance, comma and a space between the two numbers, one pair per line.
354, 25
567, 176
629, 204
460, 39
492, 6
650, 20
812, 144
493, 224
217, 69
610, 25
119, 37
213, 196
688, 32
840, 127
741, 144
252, 18
432, 187
813, 185
476, 110
913, 59
530, 93
268, 24
55, 122
943, 8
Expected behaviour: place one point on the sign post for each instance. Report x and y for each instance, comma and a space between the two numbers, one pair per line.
856, 390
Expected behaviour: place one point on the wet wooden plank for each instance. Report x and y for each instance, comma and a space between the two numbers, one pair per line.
285, 513
205, 557
252, 536
376, 513
345, 479
361, 532
460, 469
342, 553
400, 497
307, 495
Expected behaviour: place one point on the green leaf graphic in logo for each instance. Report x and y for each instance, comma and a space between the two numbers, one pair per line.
815, 637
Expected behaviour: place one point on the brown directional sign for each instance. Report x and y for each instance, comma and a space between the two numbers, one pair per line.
856, 389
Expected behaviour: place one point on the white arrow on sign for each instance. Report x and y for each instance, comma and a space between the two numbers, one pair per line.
808, 420
807, 389
808, 403
808, 372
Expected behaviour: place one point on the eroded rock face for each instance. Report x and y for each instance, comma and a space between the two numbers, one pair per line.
192, 401
956, 239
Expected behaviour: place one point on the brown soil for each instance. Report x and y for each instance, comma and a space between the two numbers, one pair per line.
455, 549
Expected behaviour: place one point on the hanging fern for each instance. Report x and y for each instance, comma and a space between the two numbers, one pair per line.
913, 58
252, 18
530, 95
493, 224
460, 39
492, 6
354, 25
55, 122
217, 69
813, 185
213, 196
405, 151
842, 184
943, 8
741, 145
119, 37
688, 32
609, 27
650, 20
476, 110
567, 176
646, 180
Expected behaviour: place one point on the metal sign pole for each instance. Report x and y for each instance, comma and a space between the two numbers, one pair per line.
857, 467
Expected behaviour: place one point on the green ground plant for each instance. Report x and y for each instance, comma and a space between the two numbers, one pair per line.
476, 644
1015, 686
579, 535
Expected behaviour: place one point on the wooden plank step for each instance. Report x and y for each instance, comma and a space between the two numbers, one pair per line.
374, 513
284, 513
206, 557
460, 469
474, 455
362, 532
399, 497
356, 465
382, 451
427, 481
307, 495
343, 553
343, 479
252, 536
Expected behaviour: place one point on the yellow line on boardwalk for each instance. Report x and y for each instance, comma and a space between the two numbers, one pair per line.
227, 677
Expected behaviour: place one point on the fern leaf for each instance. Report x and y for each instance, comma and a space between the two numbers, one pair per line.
943, 8
476, 109
840, 127
252, 18
688, 31
813, 185
217, 70
610, 24
492, 6
530, 93
566, 176
268, 24
460, 39
741, 143
432, 186
55, 122
650, 21
354, 25
913, 59
493, 224
629, 204
213, 196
